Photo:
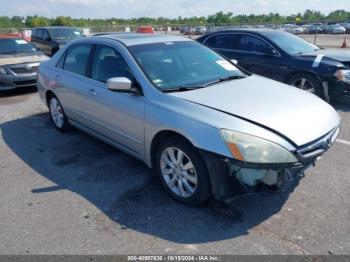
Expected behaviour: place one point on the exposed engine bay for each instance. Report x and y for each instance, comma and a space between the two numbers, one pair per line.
276, 179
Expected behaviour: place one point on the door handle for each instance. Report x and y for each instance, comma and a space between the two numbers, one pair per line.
92, 92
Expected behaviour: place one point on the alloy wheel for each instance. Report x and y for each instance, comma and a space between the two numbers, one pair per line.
56, 112
178, 172
304, 84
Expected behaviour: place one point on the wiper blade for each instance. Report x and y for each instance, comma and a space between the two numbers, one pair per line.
223, 79
193, 87
182, 88
11, 52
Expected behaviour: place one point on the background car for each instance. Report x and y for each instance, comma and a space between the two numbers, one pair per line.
19, 61
200, 30
286, 58
145, 30
305, 28
51, 39
315, 28
147, 95
346, 25
335, 29
295, 30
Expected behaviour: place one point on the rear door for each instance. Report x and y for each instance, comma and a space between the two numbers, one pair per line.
71, 83
46, 42
37, 40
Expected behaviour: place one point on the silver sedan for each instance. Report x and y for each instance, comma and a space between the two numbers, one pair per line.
206, 126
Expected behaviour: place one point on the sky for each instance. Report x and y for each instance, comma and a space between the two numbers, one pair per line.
162, 8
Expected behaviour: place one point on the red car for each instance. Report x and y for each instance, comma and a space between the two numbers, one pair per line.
145, 30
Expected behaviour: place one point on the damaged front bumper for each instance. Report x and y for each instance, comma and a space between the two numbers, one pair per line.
231, 177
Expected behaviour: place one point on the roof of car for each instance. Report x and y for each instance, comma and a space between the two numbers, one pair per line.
264, 32
249, 30
130, 39
54, 27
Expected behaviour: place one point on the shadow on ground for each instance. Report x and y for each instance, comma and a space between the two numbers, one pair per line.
124, 189
9, 97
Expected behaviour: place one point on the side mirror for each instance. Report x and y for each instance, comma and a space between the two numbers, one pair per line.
234, 61
119, 84
269, 51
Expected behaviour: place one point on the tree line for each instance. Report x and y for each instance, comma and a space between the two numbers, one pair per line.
217, 19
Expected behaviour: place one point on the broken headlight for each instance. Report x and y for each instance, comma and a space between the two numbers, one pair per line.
253, 149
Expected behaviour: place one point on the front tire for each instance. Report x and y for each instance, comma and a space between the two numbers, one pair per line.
182, 171
306, 82
58, 117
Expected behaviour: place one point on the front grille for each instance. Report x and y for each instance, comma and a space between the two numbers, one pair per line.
318, 147
23, 70
25, 83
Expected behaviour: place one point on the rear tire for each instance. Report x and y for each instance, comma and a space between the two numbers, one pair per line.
306, 82
58, 117
182, 171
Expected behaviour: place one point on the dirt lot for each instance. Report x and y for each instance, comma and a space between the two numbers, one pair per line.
72, 194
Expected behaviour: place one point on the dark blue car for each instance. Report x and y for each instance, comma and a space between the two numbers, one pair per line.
286, 58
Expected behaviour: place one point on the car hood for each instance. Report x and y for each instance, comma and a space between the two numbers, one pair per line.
22, 58
292, 113
338, 55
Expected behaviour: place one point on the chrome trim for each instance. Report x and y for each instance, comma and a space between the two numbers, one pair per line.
318, 147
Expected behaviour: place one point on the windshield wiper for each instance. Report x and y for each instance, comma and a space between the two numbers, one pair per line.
224, 79
193, 87
183, 88
10, 52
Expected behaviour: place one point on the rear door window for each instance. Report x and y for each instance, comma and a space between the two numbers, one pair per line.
45, 35
34, 33
77, 58
39, 34
223, 41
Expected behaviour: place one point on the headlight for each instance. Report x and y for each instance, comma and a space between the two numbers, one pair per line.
256, 150
343, 75
3, 71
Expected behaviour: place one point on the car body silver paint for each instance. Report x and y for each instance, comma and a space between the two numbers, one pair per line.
197, 115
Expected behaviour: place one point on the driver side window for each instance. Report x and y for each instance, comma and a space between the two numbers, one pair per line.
109, 63
253, 44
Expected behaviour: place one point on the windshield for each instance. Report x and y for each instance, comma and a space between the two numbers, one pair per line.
172, 65
18, 45
291, 44
60, 33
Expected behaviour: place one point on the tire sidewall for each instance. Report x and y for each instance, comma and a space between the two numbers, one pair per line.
65, 127
315, 82
203, 189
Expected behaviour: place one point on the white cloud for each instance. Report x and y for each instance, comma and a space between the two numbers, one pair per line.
165, 8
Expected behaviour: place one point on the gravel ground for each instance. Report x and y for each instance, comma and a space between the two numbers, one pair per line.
72, 194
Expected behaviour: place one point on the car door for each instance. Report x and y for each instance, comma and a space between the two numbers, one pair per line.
259, 57
46, 42
117, 116
71, 83
38, 34
225, 44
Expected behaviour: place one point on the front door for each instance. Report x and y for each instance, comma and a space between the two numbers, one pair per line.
117, 116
